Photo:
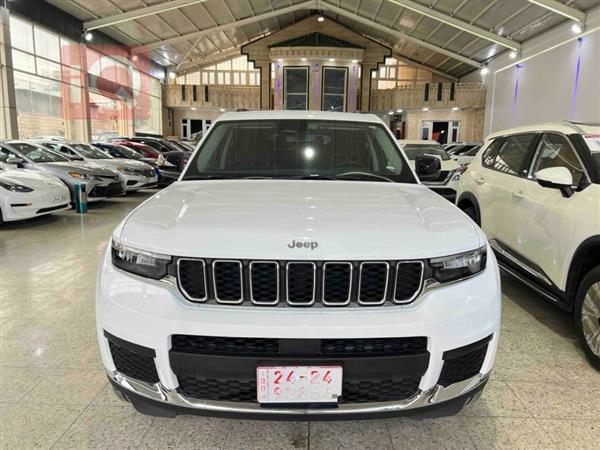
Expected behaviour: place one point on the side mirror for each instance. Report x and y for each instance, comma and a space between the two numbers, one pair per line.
556, 178
15, 160
428, 167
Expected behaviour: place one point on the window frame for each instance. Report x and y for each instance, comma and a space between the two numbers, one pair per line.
345, 95
531, 175
524, 167
285, 94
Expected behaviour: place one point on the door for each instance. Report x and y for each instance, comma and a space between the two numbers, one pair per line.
503, 170
544, 217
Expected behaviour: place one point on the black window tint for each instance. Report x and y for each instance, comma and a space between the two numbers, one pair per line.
511, 155
555, 151
489, 155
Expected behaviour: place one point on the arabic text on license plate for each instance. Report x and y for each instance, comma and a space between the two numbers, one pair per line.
298, 384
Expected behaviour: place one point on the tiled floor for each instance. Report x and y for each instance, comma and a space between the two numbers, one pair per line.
53, 392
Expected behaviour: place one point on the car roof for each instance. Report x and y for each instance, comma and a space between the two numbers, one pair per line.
299, 115
417, 141
565, 127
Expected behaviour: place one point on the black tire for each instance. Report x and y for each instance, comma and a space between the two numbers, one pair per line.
586, 284
472, 213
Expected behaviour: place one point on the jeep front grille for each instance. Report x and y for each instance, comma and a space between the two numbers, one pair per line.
300, 283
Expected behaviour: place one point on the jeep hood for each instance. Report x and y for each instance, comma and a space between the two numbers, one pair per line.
260, 218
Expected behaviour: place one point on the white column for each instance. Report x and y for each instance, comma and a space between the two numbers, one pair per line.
8, 105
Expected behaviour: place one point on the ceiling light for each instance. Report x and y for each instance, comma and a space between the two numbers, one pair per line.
320, 19
576, 28
354, 61
331, 59
88, 36
134, 58
303, 59
398, 111
194, 108
222, 109
425, 109
455, 108
280, 60
484, 71
172, 75
391, 113
309, 153
513, 54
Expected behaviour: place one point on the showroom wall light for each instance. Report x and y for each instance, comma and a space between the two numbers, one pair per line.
484, 71
425, 109
221, 109
455, 108
576, 28
303, 59
354, 61
513, 55
399, 111
280, 60
88, 36
390, 113
321, 19
172, 75
331, 59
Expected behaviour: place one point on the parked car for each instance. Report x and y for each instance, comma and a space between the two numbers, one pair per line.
29, 193
144, 150
171, 165
181, 145
465, 158
120, 151
159, 144
446, 181
134, 174
535, 191
298, 269
100, 183
460, 148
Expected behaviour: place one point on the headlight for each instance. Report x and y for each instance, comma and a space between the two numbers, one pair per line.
14, 187
84, 176
458, 172
139, 262
455, 267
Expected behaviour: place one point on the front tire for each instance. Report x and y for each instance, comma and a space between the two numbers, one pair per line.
587, 315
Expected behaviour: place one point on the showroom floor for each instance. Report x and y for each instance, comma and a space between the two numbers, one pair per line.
54, 393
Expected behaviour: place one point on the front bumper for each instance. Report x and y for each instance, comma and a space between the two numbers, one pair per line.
149, 314
20, 206
136, 182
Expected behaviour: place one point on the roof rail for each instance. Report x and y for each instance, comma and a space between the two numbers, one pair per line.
576, 125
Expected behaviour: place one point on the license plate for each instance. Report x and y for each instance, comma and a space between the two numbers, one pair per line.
298, 384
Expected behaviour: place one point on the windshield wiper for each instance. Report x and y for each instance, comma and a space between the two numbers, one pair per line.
363, 176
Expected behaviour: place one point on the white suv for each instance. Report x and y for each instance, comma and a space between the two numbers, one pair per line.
535, 191
298, 269
446, 181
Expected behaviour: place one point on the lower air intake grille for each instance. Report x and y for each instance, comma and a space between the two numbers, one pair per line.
230, 345
224, 390
388, 346
379, 391
133, 364
463, 363
244, 391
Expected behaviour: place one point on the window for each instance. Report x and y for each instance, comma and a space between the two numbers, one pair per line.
298, 148
21, 34
510, 156
194, 93
334, 88
295, 87
46, 44
183, 92
555, 151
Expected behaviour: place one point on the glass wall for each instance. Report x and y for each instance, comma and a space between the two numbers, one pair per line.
49, 87
47, 77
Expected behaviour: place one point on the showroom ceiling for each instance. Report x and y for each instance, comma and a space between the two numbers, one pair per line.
452, 36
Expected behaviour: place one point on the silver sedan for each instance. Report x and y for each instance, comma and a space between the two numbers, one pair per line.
100, 182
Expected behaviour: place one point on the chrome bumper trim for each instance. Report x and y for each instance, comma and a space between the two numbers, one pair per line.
158, 392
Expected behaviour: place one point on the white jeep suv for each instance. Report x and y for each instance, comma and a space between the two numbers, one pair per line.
535, 191
298, 269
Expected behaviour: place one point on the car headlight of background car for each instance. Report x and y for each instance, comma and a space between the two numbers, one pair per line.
456, 267
458, 172
139, 262
15, 187
129, 171
84, 176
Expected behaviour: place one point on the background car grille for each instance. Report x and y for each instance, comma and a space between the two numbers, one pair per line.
300, 283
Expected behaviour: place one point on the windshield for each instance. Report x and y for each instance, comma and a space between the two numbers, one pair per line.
460, 149
37, 153
299, 149
90, 152
120, 151
414, 150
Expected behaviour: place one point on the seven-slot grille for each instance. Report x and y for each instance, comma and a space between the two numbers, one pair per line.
300, 283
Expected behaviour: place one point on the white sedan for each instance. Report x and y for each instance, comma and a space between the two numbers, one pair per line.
28, 193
